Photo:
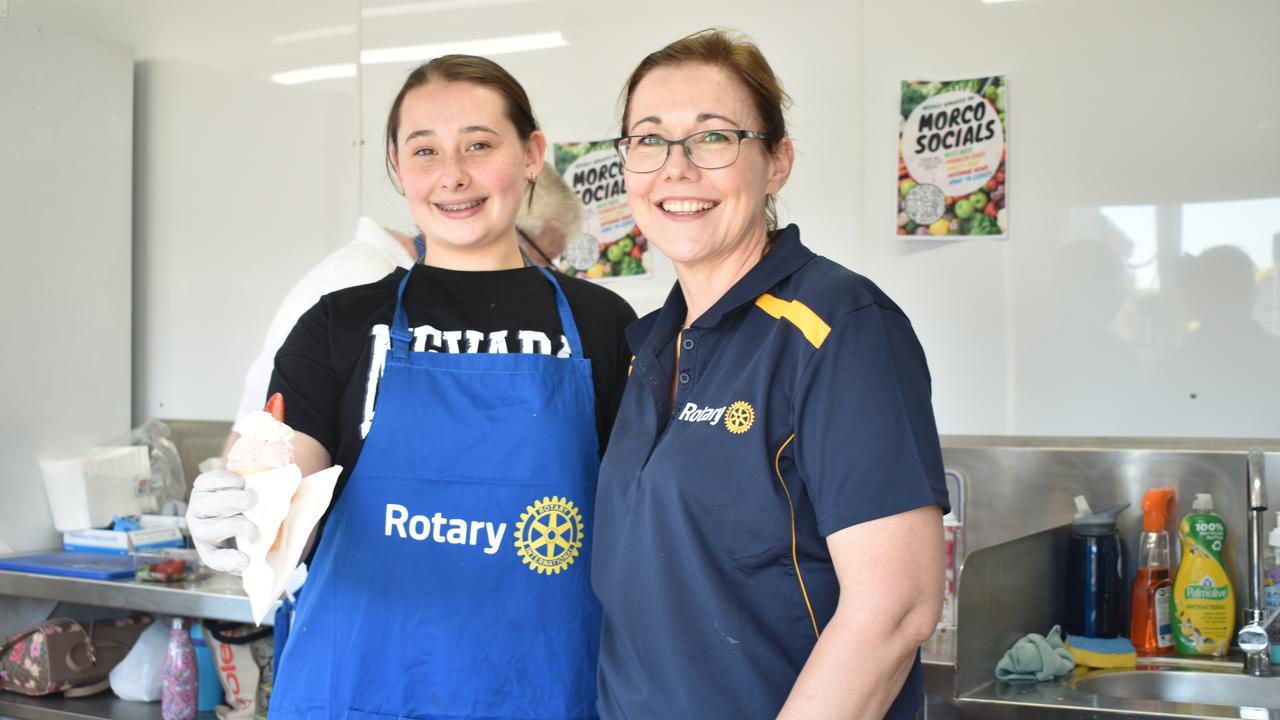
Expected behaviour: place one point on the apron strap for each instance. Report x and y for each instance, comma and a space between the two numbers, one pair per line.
567, 324
402, 339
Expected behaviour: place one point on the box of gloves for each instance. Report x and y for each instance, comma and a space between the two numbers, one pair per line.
118, 542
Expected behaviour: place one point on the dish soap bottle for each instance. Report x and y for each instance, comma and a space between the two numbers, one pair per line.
1271, 590
178, 693
1204, 607
1149, 627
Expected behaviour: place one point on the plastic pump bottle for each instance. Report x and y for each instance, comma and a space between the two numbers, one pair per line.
1204, 605
178, 693
1149, 627
1271, 586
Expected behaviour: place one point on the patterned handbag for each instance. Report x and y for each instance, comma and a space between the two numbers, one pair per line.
60, 655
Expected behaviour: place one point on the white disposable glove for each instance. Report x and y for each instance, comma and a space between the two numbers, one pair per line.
215, 516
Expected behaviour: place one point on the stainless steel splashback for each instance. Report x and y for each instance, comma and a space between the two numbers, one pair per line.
1016, 486
1008, 590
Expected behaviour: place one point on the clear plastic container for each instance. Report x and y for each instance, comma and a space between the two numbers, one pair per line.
167, 565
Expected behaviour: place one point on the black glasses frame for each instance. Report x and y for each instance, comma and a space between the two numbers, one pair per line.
618, 144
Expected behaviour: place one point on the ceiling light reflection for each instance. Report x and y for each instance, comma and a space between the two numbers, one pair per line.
485, 46
318, 34
312, 74
432, 7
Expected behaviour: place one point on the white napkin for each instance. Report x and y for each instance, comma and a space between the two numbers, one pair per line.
286, 507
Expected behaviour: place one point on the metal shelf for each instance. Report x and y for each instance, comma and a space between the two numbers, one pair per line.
215, 595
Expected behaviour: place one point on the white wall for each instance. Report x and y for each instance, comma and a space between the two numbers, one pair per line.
65, 168
242, 184
1130, 124
1151, 103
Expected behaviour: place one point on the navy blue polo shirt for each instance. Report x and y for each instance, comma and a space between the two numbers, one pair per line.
802, 408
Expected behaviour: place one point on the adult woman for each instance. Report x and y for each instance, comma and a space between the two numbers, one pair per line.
450, 579
769, 507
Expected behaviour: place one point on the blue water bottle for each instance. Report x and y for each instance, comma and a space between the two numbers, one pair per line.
1095, 574
210, 694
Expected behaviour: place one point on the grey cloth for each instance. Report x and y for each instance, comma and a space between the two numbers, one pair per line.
1036, 657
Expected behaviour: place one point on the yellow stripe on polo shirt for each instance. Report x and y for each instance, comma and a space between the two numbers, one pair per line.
797, 313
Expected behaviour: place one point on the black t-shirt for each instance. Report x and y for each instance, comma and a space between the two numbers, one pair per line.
324, 366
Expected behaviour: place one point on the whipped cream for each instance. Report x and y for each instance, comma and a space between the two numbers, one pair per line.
261, 426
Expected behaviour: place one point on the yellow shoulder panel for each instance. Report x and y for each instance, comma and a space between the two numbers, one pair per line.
797, 313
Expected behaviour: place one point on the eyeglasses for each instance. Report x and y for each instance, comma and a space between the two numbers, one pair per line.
709, 149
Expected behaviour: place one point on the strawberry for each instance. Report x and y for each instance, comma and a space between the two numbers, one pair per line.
275, 406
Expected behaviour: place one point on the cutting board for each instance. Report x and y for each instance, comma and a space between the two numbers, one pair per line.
72, 564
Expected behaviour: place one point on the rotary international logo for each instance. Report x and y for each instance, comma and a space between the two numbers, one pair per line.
549, 534
739, 417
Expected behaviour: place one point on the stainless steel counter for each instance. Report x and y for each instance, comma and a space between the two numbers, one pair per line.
1070, 696
214, 595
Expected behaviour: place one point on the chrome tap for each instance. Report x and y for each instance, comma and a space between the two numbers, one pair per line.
1253, 636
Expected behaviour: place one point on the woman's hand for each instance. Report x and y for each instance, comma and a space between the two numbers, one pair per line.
215, 517
215, 513
867, 650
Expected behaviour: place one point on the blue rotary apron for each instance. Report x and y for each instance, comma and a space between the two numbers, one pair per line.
451, 580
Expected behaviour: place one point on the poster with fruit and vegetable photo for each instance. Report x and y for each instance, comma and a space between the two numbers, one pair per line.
951, 160
609, 244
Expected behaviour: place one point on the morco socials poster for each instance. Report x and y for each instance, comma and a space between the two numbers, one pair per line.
951, 159
609, 244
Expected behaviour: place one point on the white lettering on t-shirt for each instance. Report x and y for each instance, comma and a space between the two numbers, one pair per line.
424, 333
381, 343
451, 338
429, 339
498, 342
534, 342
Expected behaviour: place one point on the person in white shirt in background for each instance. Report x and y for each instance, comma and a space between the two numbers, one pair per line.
543, 227
373, 253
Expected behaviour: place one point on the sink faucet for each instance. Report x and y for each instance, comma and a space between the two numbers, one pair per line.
1253, 636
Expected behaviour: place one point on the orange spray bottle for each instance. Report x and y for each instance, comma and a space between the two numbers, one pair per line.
1149, 627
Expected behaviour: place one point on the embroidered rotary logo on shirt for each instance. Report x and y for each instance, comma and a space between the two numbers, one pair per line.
739, 417
549, 534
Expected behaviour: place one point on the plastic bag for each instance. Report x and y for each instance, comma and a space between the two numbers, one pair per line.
168, 485
139, 676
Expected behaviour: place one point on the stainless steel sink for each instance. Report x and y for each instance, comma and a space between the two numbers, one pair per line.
1185, 686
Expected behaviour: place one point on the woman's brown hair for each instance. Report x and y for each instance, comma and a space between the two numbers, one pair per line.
463, 68
740, 57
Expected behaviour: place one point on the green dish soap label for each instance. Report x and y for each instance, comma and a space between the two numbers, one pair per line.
1203, 604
